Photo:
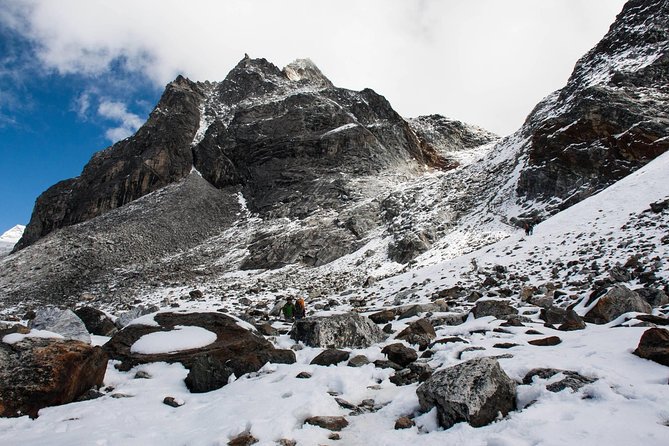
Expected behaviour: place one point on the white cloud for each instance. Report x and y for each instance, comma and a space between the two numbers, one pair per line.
484, 61
117, 111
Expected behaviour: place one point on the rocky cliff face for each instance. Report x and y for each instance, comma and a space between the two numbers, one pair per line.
612, 116
284, 136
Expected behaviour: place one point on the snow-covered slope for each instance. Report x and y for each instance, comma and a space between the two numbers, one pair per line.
625, 405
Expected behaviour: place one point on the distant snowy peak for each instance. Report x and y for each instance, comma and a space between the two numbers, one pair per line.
12, 235
10, 238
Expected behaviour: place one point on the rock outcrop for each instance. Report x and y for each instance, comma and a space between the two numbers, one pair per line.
39, 372
612, 116
475, 391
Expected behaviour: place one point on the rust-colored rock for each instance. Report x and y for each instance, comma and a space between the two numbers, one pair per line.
654, 345
36, 373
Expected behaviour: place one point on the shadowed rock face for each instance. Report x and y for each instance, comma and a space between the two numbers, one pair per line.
612, 116
284, 136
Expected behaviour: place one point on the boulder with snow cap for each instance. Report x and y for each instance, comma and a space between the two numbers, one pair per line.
476, 391
212, 346
616, 302
63, 322
337, 331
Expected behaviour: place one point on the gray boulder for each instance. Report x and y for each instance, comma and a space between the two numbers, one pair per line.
130, 315
63, 322
337, 331
475, 391
617, 301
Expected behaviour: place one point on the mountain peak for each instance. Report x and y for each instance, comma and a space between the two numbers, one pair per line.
306, 70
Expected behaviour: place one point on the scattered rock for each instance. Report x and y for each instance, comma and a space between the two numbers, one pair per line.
330, 423
448, 319
572, 380
63, 322
358, 361
243, 439
505, 345
141, 374
334, 436
448, 340
384, 364
474, 391
382, 317
654, 345
400, 354
493, 307
418, 332
341, 330
404, 423
195, 294
617, 301
416, 372
171, 401
655, 297
38, 372
657, 320
303, 375
330, 356
545, 342
572, 321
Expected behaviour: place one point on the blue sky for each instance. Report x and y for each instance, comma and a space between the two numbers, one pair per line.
76, 75
46, 133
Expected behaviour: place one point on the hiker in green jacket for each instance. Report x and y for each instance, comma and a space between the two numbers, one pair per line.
288, 309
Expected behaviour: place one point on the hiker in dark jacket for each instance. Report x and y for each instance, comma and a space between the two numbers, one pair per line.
288, 309
300, 309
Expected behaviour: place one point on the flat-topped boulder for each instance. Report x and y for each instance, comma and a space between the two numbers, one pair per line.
212, 346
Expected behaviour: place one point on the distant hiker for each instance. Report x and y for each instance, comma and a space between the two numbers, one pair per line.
300, 309
289, 309
529, 228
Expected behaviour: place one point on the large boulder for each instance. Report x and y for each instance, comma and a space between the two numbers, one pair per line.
475, 391
342, 330
63, 322
40, 372
234, 350
617, 301
654, 345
